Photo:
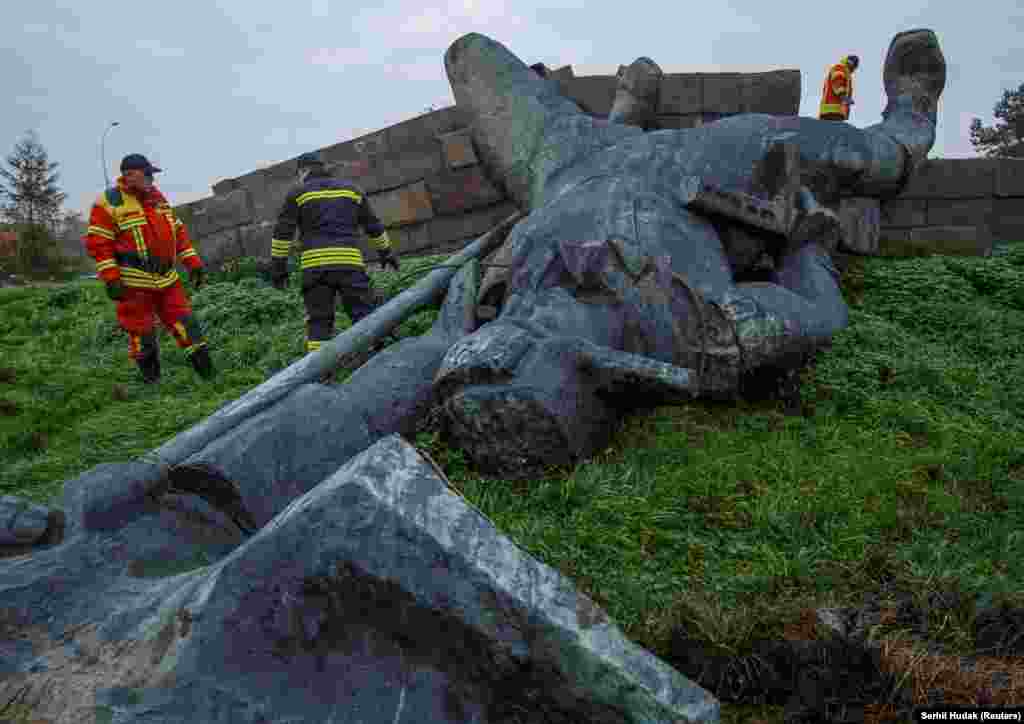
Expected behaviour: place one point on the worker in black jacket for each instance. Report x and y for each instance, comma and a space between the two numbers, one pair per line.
328, 211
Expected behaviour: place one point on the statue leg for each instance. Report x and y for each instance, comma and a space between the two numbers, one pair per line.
878, 160
836, 159
524, 129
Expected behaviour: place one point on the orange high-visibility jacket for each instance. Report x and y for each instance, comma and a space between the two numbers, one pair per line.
838, 87
136, 240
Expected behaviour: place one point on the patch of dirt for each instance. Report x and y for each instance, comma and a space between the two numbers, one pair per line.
63, 690
9, 408
872, 663
8, 375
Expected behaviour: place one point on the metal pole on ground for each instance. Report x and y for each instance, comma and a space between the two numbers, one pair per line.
347, 346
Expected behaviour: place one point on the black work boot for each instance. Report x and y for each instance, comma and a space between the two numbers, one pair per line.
202, 363
150, 368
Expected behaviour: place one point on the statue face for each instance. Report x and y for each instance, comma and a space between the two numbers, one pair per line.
517, 393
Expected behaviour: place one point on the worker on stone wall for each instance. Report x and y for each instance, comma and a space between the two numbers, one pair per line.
135, 238
837, 92
328, 211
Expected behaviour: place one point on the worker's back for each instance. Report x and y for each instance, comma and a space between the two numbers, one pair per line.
331, 211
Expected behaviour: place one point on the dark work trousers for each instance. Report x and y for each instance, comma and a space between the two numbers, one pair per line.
319, 287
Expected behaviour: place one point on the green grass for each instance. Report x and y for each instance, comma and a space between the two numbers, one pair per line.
907, 466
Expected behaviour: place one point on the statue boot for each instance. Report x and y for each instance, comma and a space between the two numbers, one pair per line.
637, 94
914, 78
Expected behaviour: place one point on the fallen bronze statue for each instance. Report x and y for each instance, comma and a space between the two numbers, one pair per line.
621, 290
292, 558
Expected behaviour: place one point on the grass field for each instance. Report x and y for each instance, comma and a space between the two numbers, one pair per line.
906, 466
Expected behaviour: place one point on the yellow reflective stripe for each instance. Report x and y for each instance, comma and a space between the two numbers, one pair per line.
323, 257
183, 334
279, 247
105, 264
331, 262
831, 108
331, 250
187, 253
381, 242
131, 224
135, 278
100, 231
312, 346
330, 194
140, 242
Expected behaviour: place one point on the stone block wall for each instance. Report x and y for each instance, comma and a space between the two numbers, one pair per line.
423, 175
956, 206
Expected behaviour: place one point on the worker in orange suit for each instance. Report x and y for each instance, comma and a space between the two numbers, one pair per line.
837, 93
136, 239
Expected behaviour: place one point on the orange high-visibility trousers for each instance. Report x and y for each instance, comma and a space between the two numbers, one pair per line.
139, 309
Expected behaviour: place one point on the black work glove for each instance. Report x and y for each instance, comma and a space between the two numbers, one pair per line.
197, 276
115, 289
387, 259
279, 274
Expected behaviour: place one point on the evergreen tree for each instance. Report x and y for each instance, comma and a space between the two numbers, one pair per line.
31, 200
1006, 136
29, 193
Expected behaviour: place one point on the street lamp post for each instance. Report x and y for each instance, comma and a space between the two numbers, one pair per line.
103, 155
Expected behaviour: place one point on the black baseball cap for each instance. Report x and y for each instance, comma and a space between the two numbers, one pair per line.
136, 161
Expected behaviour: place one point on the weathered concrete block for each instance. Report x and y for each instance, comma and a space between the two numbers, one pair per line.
222, 212
411, 239
680, 94
449, 230
370, 143
185, 212
959, 212
393, 169
226, 186
903, 212
946, 240
721, 92
776, 92
454, 192
273, 198
412, 133
254, 239
341, 153
406, 205
860, 221
219, 246
256, 185
562, 75
1008, 219
354, 169
458, 148
952, 178
593, 93
1010, 177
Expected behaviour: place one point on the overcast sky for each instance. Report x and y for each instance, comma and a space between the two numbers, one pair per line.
214, 89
